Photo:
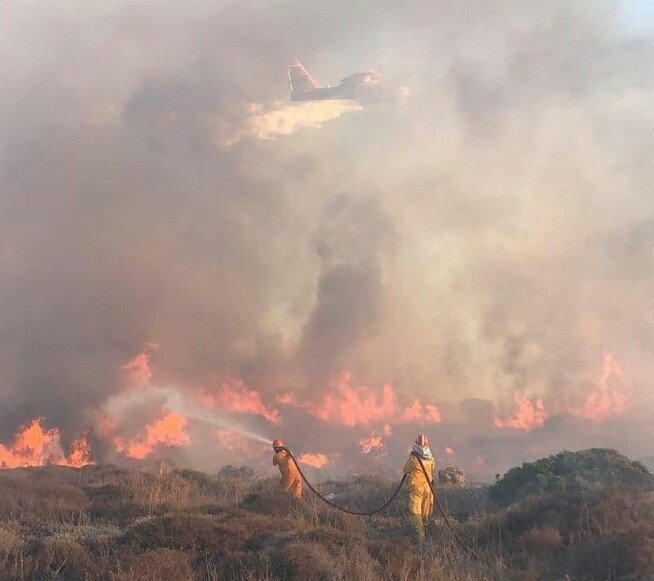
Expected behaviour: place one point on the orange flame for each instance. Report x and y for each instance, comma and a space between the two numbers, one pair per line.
35, 446
168, 431
137, 372
371, 444
415, 413
286, 399
80, 452
236, 397
530, 414
314, 460
610, 398
357, 405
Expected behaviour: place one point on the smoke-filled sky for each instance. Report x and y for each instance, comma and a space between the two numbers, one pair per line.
474, 260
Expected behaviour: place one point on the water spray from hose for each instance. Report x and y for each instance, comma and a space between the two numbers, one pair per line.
175, 401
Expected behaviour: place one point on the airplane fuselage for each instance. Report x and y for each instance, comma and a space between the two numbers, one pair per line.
305, 88
325, 94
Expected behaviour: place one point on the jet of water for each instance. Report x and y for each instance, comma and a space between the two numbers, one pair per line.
178, 403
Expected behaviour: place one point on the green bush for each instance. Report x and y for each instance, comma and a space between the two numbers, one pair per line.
585, 471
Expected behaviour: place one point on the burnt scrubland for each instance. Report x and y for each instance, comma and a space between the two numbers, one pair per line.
587, 515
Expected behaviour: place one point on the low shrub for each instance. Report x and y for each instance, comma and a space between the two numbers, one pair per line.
584, 471
540, 540
156, 565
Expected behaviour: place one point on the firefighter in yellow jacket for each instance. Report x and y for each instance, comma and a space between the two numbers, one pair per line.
421, 499
291, 481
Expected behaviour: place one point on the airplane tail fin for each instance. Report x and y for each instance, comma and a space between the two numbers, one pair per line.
299, 78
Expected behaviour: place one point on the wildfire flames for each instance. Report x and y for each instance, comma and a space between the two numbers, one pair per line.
168, 431
137, 372
352, 405
346, 404
314, 460
529, 414
371, 444
235, 397
35, 446
610, 398
80, 454
286, 399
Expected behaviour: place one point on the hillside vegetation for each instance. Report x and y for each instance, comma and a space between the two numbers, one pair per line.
102, 522
585, 471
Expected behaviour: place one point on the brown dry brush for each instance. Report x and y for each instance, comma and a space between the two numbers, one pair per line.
105, 523
608, 534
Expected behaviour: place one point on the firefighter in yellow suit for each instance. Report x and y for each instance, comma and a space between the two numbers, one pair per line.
421, 499
291, 481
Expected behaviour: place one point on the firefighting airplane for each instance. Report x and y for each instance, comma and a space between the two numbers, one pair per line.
305, 88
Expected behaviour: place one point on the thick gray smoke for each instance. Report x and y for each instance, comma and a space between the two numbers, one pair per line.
349, 296
491, 234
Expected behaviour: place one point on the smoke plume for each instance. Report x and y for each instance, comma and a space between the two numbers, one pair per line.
474, 261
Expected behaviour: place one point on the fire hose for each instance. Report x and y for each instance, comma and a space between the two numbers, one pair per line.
456, 536
342, 509
458, 539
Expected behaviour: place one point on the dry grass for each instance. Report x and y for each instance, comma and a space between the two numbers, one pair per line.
155, 565
106, 523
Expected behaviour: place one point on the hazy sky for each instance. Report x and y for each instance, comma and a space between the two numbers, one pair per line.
491, 234
639, 16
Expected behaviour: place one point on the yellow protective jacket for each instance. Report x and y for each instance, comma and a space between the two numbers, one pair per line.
421, 499
416, 475
291, 479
